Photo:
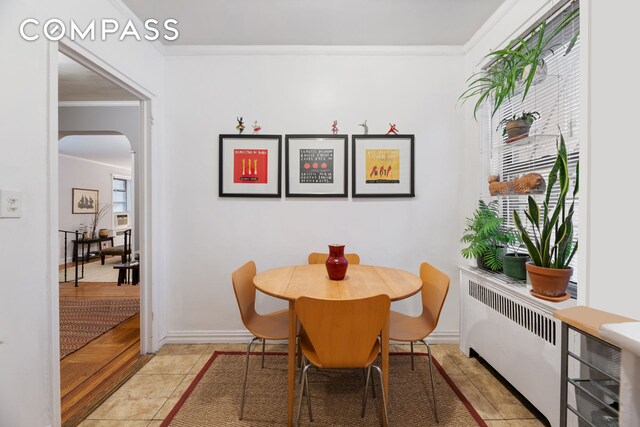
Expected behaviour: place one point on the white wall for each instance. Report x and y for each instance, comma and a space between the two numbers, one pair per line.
28, 149
614, 153
74, 172
303, 93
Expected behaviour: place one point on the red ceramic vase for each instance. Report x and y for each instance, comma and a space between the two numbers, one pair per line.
336, 262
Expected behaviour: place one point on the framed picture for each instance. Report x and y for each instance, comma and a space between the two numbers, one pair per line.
250, 166
84, 201
316, 165
383, 166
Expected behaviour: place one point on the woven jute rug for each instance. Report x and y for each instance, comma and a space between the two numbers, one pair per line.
84, 319
213, 399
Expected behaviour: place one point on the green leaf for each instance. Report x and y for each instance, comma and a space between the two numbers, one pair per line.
534, 212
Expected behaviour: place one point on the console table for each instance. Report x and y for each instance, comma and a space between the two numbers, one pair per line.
87, 243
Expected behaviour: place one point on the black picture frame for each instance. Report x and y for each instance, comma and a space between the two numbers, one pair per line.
363, 182
330, 149
229, 147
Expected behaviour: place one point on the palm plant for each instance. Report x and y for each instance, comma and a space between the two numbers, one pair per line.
515, 66
556, 223
486, 236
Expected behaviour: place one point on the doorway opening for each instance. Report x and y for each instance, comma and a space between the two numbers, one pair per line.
103, 321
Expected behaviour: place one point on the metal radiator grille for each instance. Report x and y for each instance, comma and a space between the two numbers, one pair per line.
531, 320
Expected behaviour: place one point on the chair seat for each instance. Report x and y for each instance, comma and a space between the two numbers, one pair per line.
311, 354
115, 250
272, 326
408, 328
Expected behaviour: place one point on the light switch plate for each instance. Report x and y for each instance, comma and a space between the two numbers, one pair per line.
10, 204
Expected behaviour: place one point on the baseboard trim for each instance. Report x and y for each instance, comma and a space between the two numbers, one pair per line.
242, 336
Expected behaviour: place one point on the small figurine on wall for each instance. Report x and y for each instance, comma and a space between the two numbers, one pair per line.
365, 127
392, 129
334, 127
256, 127
240, 125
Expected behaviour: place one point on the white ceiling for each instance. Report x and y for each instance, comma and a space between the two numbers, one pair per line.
77, 83
111, 149
320, 22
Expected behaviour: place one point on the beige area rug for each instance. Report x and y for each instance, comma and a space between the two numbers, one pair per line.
213, 399
93, 271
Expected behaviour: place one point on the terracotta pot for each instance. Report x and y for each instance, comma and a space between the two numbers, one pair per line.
517, 129
336, 262
549, 282
103, 232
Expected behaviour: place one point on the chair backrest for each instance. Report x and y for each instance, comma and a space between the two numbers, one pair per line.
320, 258
245, 291
435, 286
127, 245
343, 332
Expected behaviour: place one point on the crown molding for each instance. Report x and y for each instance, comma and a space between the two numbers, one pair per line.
95, 162
303, 50
98, 103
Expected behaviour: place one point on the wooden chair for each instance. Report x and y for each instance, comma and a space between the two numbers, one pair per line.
272, 326
127, 265
435, 286
341, 334
320, 258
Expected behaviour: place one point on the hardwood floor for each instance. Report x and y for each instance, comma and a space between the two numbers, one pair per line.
90, 374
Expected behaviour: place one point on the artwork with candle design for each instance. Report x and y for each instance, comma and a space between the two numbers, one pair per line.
250, 166
382, 166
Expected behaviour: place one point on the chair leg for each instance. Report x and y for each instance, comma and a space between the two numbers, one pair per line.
304, 385
412, 366
299, 352
384, 398
373, 387
246, 370
262, 363
366, 389
433, 390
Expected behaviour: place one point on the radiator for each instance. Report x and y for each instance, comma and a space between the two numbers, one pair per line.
515, 333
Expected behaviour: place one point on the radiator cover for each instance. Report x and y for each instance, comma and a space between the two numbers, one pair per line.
515, 333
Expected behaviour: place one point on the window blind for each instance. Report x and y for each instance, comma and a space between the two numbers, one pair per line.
557, 98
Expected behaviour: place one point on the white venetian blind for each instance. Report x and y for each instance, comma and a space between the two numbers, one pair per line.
556, 97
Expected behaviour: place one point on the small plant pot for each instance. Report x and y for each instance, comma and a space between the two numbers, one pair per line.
517, 129
514, 266
549, 283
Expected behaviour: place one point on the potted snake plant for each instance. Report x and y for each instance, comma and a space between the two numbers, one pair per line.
549, 239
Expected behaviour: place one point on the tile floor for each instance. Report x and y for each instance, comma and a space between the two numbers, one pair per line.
152, 392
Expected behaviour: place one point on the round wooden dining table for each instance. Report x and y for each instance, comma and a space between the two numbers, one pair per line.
361, 281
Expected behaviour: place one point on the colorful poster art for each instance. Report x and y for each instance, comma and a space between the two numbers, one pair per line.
382, 166
316, 166
250, 166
